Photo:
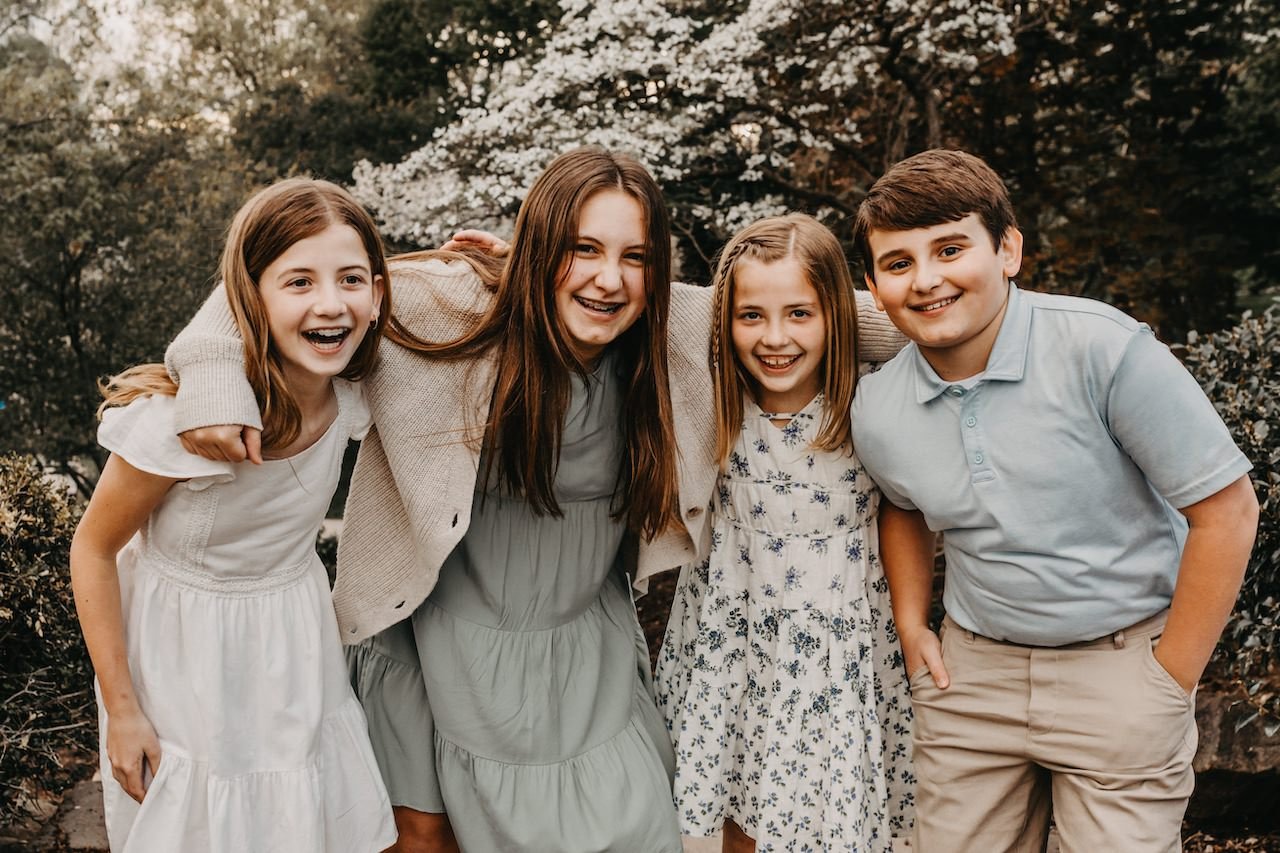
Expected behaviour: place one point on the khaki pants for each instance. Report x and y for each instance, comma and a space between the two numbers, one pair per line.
1098, 734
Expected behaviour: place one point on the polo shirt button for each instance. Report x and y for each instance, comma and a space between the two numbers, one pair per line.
977, 458
955, 391
970, 421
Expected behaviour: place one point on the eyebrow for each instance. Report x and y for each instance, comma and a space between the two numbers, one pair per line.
955, 237
588, 238
752, 306
296, 270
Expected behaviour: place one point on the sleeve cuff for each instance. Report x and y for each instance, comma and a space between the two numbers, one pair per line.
213, 393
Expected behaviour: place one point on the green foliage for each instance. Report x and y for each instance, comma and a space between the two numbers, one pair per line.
111, 232
46, 697
1239, 369
1134, 138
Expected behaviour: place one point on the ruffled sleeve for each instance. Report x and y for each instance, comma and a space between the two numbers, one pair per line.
353, 409
142, 434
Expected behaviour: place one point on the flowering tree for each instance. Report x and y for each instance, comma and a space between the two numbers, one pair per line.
739, 111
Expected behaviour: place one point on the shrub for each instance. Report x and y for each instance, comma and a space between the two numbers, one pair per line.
1239, 369
46, 698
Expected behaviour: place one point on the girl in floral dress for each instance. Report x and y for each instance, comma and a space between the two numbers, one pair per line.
780, 676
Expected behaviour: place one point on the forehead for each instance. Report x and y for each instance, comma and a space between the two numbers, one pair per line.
612, 214
882, 241
783, 280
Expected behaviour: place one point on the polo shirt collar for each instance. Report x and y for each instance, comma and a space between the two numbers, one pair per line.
1008, 359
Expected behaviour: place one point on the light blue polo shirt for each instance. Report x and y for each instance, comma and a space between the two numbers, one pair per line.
1055, 478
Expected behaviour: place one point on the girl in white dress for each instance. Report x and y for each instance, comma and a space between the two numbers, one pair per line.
780, 675
226, 719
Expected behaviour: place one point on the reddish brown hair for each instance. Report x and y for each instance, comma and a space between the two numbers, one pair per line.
931, 188
818, 252
264, 228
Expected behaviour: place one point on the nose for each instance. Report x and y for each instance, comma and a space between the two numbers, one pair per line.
775, 334
927, 277
328, 300
609, 275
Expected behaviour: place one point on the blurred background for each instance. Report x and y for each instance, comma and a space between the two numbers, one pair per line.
1140, 140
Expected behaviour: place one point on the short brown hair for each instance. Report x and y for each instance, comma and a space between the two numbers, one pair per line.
931, 188
818, 252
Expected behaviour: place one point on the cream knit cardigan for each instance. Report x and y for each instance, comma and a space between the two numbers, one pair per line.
410, 498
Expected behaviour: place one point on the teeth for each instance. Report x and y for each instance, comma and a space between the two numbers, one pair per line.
940, 303
326, 338
778, 360
606, 307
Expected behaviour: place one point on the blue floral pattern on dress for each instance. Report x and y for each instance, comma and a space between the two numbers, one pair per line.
780, 676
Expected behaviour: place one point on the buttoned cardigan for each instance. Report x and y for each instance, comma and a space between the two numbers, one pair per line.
410, 498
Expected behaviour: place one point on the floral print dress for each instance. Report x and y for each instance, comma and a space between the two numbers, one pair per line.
780, 676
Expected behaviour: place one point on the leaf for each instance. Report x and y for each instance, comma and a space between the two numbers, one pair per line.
1241, 723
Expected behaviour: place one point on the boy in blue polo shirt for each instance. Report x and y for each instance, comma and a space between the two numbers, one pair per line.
1097, 520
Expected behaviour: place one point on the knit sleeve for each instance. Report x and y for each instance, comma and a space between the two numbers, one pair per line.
206, 359
878, 338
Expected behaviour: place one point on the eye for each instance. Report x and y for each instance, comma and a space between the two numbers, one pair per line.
635, 257
584, 249
898, 265
353, 280
801, 313
749, 315
298, 283
950, 251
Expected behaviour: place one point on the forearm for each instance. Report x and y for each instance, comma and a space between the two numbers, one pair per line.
96, 587
906, 550
206, 359
1213, 563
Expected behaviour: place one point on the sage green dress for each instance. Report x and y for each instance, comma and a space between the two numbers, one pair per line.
517, 699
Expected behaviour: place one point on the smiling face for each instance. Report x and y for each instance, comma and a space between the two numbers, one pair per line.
779, 332
319, 296
600, 292
946, 287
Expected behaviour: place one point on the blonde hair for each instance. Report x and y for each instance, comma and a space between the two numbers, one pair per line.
263, 229
818, 252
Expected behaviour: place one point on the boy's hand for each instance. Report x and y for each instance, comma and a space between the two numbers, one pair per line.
474, 238
133, 750
227, 443
920, 648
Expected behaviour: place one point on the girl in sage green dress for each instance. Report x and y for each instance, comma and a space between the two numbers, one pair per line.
522, 436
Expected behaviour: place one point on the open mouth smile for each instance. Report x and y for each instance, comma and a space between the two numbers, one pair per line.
778, 363
935, 305
597, 307
327, 339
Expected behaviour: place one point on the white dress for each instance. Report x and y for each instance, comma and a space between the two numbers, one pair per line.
780, 676
234, 651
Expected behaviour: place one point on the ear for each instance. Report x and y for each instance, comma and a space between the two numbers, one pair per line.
1011, 252
875, 291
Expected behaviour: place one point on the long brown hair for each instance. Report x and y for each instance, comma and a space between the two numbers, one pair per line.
535, 357
818, 252
263, 229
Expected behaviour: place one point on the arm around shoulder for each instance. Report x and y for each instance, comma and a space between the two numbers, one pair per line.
206, 359
878, 339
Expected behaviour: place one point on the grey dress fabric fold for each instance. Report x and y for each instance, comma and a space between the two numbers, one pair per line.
517, 698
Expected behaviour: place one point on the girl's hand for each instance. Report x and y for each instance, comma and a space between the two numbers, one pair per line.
923, 648
133, 750
473, 238
228, 443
